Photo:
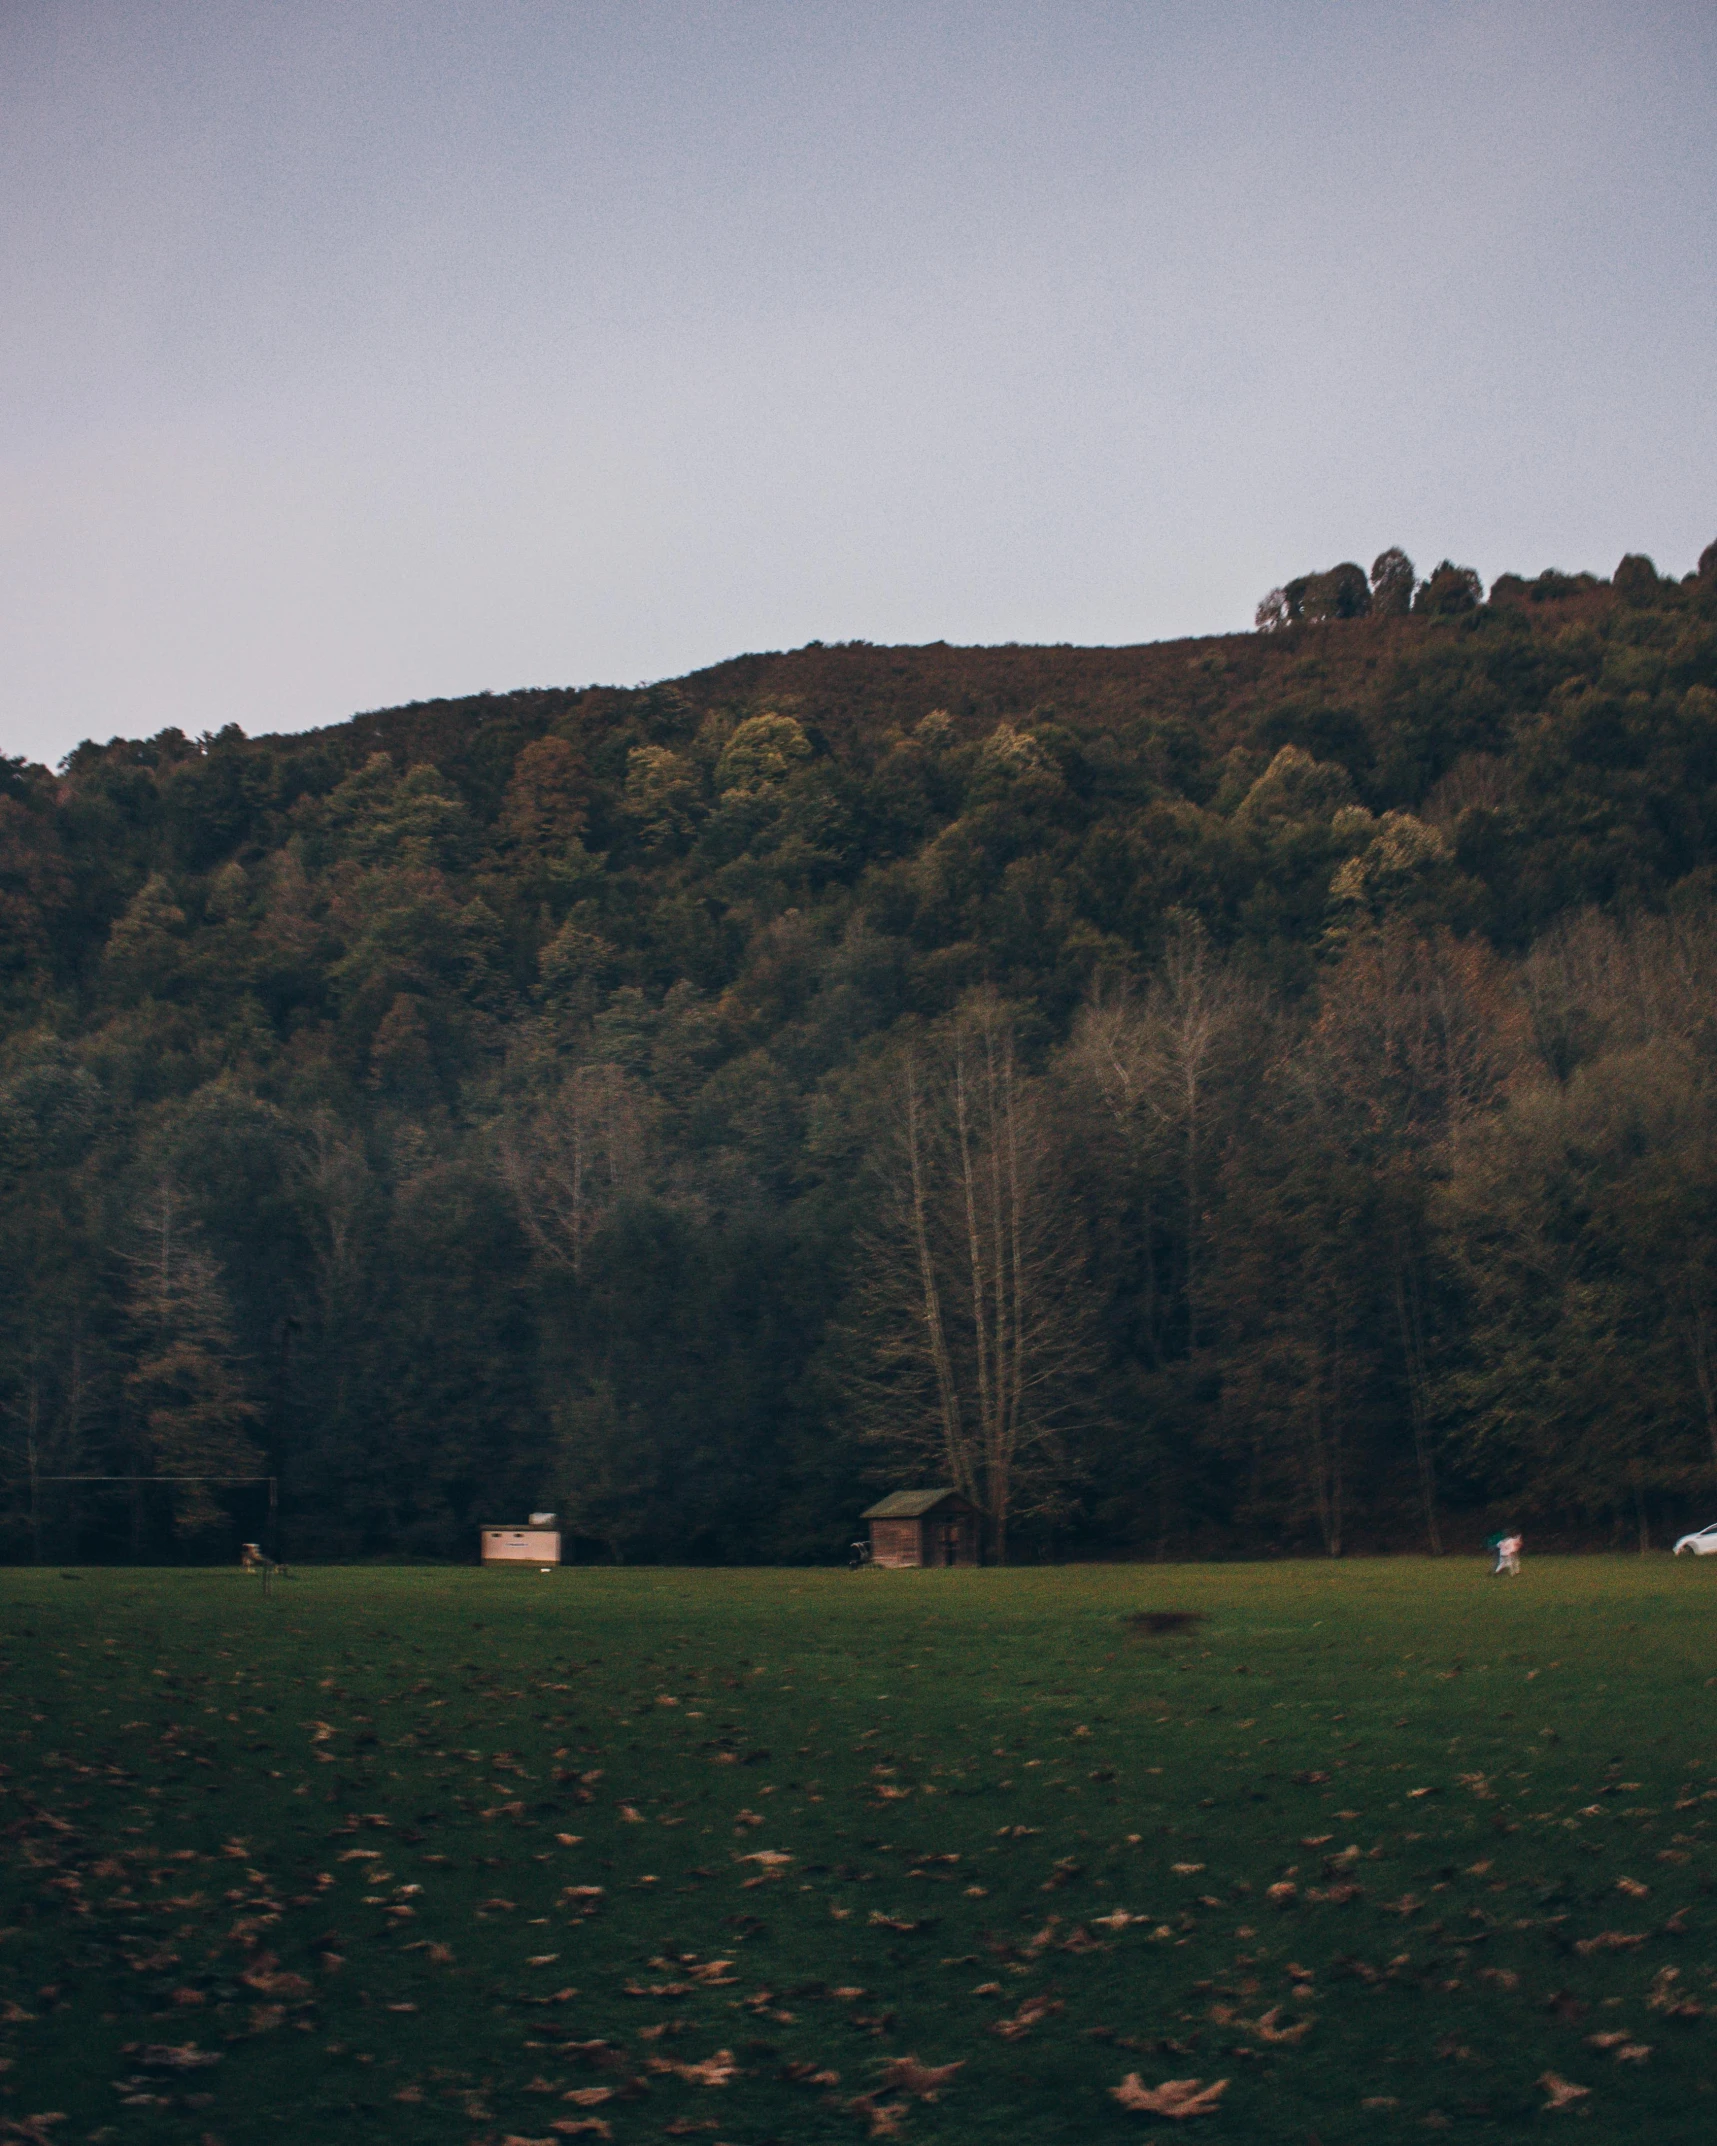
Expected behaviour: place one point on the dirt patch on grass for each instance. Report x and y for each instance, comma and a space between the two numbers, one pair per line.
1164, 1623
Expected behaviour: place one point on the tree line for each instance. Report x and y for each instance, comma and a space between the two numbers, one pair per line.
1244, 1095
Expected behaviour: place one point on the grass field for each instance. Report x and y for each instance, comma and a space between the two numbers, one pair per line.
442, 1855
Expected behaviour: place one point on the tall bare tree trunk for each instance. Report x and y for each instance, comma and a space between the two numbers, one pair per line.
33, 1456
954, 1443
1324, 1440
1704, 1372
985, 1346
1409, 1312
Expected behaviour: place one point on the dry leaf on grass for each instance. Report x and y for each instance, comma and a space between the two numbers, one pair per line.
885, 2118
1563, 2093
1175, 2097
1029, 2014
799, 2073
174, 2056
713, 2071
588, 2097
1268, 2030
925, 2080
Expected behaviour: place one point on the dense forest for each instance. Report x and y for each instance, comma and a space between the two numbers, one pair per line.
1247, 1095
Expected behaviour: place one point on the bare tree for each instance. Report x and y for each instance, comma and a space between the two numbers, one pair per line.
1156, 1061
52, 1414
332, 1181
193, 1416
1417, 1036
972, 1313
569, 1161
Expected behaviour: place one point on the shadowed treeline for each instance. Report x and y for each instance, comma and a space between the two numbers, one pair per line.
1252, 1093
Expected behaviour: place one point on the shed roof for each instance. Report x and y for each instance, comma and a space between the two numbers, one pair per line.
911, 1504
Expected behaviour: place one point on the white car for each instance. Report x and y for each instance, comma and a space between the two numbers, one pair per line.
1702, 1542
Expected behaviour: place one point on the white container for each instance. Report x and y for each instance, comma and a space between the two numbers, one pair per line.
520, 1546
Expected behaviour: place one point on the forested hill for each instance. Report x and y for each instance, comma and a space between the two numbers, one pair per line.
1241, 1094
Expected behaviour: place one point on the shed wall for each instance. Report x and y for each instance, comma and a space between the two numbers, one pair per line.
895, 1542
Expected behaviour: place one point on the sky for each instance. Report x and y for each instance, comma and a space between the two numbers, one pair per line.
353, 353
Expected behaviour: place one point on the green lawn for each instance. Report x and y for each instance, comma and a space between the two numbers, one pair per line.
450, 1855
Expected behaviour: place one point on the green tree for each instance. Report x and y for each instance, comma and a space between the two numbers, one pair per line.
1451, 591
1392, 579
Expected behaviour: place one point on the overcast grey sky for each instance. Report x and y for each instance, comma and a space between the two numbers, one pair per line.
355, 352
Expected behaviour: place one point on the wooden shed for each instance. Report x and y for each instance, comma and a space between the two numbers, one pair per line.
923, 1527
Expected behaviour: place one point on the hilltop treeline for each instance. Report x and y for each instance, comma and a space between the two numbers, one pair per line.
1255, 1093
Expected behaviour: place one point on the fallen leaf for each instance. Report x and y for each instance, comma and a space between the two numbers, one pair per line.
713, 2071
1267, 2029
1175, 2097
175, 2056
1028, 2016
798, 2073
924, 2080
268, 1984
884, 2118
1563, 2093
